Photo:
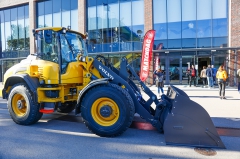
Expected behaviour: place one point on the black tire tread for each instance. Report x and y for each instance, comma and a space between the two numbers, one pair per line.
130, 104
34, 114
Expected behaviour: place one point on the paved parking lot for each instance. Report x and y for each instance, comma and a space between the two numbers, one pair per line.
60, 136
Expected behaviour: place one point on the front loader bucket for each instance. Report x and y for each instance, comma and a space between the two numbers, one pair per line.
188, 123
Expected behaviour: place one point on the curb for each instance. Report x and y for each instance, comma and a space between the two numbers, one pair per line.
198, 88
141, 124
222, 131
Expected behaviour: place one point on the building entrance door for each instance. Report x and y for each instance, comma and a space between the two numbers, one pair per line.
171, 66
202, 61
187, 62
174, 68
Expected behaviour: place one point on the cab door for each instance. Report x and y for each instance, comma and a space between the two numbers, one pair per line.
71, 70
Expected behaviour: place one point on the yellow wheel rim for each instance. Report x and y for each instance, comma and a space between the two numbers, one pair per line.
105, 111
19, 105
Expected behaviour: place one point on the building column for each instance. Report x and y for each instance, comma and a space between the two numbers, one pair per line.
82, 16
234, 40
231, 60
32, 24
148, 15
148, 25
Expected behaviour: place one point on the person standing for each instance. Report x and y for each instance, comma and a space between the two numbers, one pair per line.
238, 76
203, 75
222, 78
209, 76
159, 79
214, 70
193, 74
188, 75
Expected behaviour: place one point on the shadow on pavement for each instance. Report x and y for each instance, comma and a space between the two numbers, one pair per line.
226, 122
227, 97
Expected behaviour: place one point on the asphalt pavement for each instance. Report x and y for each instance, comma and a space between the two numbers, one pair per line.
51, 138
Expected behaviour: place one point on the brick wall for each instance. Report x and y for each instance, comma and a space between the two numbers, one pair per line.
148, 15
148, 25
235, 23
32, 24
82, 15
234, 58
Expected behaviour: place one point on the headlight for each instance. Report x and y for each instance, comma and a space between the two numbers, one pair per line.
82, 59
64, 30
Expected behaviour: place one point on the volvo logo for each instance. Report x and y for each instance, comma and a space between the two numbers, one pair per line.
106, 73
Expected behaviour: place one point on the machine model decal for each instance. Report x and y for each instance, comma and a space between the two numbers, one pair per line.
106, 73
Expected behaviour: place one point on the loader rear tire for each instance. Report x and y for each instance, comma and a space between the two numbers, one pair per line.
107, 110
23, 110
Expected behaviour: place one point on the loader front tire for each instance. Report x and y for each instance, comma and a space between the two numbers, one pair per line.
23, 110
107, 110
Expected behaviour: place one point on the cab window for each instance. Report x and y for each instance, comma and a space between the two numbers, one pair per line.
47, 49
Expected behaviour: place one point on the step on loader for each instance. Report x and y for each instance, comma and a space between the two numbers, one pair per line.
60, 76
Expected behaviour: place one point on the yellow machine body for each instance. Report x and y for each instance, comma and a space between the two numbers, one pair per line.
76, 76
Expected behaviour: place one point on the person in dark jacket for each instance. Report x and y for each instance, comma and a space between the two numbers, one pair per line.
188, 75
193, 75
214, 70
209, 73
159, 79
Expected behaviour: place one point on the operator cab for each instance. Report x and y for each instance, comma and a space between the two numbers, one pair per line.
61, 43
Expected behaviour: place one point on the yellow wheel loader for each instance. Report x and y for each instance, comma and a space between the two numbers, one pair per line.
60, 76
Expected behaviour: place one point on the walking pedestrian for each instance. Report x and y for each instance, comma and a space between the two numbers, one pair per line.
238, 76
214, 70
222, 78
188, 75
159, 80
193, 74
203, 76
209, 76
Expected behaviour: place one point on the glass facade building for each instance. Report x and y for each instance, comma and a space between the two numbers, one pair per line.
182, 25
188, 32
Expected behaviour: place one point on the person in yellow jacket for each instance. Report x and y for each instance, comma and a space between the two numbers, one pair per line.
222, 78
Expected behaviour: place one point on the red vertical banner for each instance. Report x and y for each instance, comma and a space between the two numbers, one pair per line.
146, 54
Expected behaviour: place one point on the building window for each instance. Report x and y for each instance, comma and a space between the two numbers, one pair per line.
14, 32
115, 25
198, 23
58, 13
189, 19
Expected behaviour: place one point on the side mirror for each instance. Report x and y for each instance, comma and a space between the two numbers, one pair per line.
48, 36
